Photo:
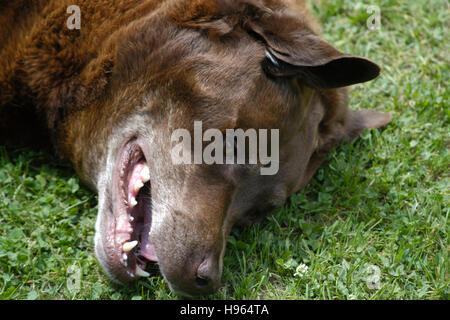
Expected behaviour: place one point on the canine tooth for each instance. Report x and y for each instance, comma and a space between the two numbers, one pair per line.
131, 219
141, 273
145, 174
138, 186
128, 246
133, 202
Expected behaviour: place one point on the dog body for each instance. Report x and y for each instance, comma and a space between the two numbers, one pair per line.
110, 95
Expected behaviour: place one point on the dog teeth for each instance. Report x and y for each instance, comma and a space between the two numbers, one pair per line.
133, 202
128, 246
141, 273
145, 174
139, 184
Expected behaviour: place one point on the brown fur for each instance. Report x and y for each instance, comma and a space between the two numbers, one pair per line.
52, 68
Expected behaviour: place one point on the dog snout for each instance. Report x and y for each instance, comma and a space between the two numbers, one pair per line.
208, 275
202, 279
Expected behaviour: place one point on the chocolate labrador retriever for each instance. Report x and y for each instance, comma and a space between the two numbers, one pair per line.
110, 92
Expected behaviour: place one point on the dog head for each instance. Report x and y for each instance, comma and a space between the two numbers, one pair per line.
209, 66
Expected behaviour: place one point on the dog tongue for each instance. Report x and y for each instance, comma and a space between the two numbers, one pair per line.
148, 252
147, 249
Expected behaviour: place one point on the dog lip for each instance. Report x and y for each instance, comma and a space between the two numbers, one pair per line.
131, 210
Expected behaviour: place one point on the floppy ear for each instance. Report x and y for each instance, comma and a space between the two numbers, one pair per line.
316, 62
360, 120
294, 50
337, 72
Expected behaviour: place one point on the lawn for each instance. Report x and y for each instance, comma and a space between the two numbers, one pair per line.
373, 223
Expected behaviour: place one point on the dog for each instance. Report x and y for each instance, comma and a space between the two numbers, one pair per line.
109, 93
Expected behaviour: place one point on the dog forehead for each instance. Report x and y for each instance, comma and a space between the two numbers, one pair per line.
227, 90
219, 81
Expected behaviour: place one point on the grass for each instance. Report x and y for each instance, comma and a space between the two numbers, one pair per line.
373, 224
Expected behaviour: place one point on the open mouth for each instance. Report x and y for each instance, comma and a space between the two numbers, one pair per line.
133, 248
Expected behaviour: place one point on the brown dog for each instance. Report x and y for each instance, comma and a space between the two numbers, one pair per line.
111, 94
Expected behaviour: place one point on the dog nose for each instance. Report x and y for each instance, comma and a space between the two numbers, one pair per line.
197, 279
206, 277
202, 281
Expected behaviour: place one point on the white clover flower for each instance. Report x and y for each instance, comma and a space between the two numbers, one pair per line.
301, 270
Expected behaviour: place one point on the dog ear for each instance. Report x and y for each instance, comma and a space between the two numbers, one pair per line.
360, 120
336, 72
295, 51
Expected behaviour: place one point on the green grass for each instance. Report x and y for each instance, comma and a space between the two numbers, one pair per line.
379, 204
